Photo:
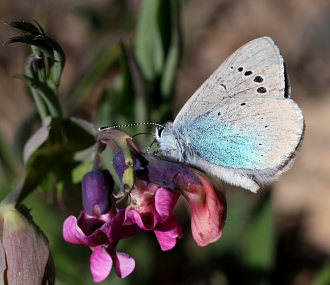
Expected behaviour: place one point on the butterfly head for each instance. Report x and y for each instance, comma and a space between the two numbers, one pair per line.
169, 143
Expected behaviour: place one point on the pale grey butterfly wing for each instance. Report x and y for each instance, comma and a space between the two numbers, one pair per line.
253, 65
241, 125
254, 145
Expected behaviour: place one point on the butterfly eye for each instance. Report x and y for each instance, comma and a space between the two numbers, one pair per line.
159, 132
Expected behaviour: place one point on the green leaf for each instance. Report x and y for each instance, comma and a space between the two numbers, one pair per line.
125, 91
57, 160
149, 48
57, 64
260, 242
51, 158
37, 168
33, 41
170, 71
80, 134
24, 27
90, 76
164, 18
138, 86
40, 164
174, 52
38, 138
31, 70
23, 132
85, 125
48, 96
87, 154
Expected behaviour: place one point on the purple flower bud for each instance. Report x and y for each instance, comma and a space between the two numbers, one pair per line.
97, 186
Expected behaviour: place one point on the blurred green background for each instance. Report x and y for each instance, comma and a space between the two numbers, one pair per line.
279, 236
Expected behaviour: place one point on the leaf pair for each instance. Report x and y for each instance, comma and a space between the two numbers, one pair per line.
43, 67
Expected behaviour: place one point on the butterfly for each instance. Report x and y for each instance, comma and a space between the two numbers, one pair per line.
241, 124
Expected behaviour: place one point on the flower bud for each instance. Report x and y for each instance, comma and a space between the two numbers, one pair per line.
96, 189
24, 253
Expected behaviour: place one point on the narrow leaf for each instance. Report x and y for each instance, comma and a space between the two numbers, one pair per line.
30, 71
39, 137
80, 134
32, 40
46, 93
24, 27
174, 53
85, 125
149, 49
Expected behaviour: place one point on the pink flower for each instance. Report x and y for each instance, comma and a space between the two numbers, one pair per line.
102, 234
100, 227
151, 208
151, 187
157, 176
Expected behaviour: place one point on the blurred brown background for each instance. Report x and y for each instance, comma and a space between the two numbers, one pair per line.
213, 29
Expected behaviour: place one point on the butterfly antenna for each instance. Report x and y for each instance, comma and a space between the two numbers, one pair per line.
149, 147
130, 125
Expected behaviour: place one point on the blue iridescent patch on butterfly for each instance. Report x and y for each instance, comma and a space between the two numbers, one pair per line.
225, 145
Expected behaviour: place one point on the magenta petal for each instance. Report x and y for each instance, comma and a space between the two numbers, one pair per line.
165, 201
124, 264
167, 233
100, 264
115, 230
72, 233
146, 221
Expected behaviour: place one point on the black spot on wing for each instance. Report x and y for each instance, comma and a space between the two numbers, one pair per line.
243, 104
240, 69
261, 90
247, 73
258, 79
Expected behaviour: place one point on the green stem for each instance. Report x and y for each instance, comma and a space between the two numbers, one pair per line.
41, 107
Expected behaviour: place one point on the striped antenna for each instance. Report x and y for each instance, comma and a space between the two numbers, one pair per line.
130, 125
